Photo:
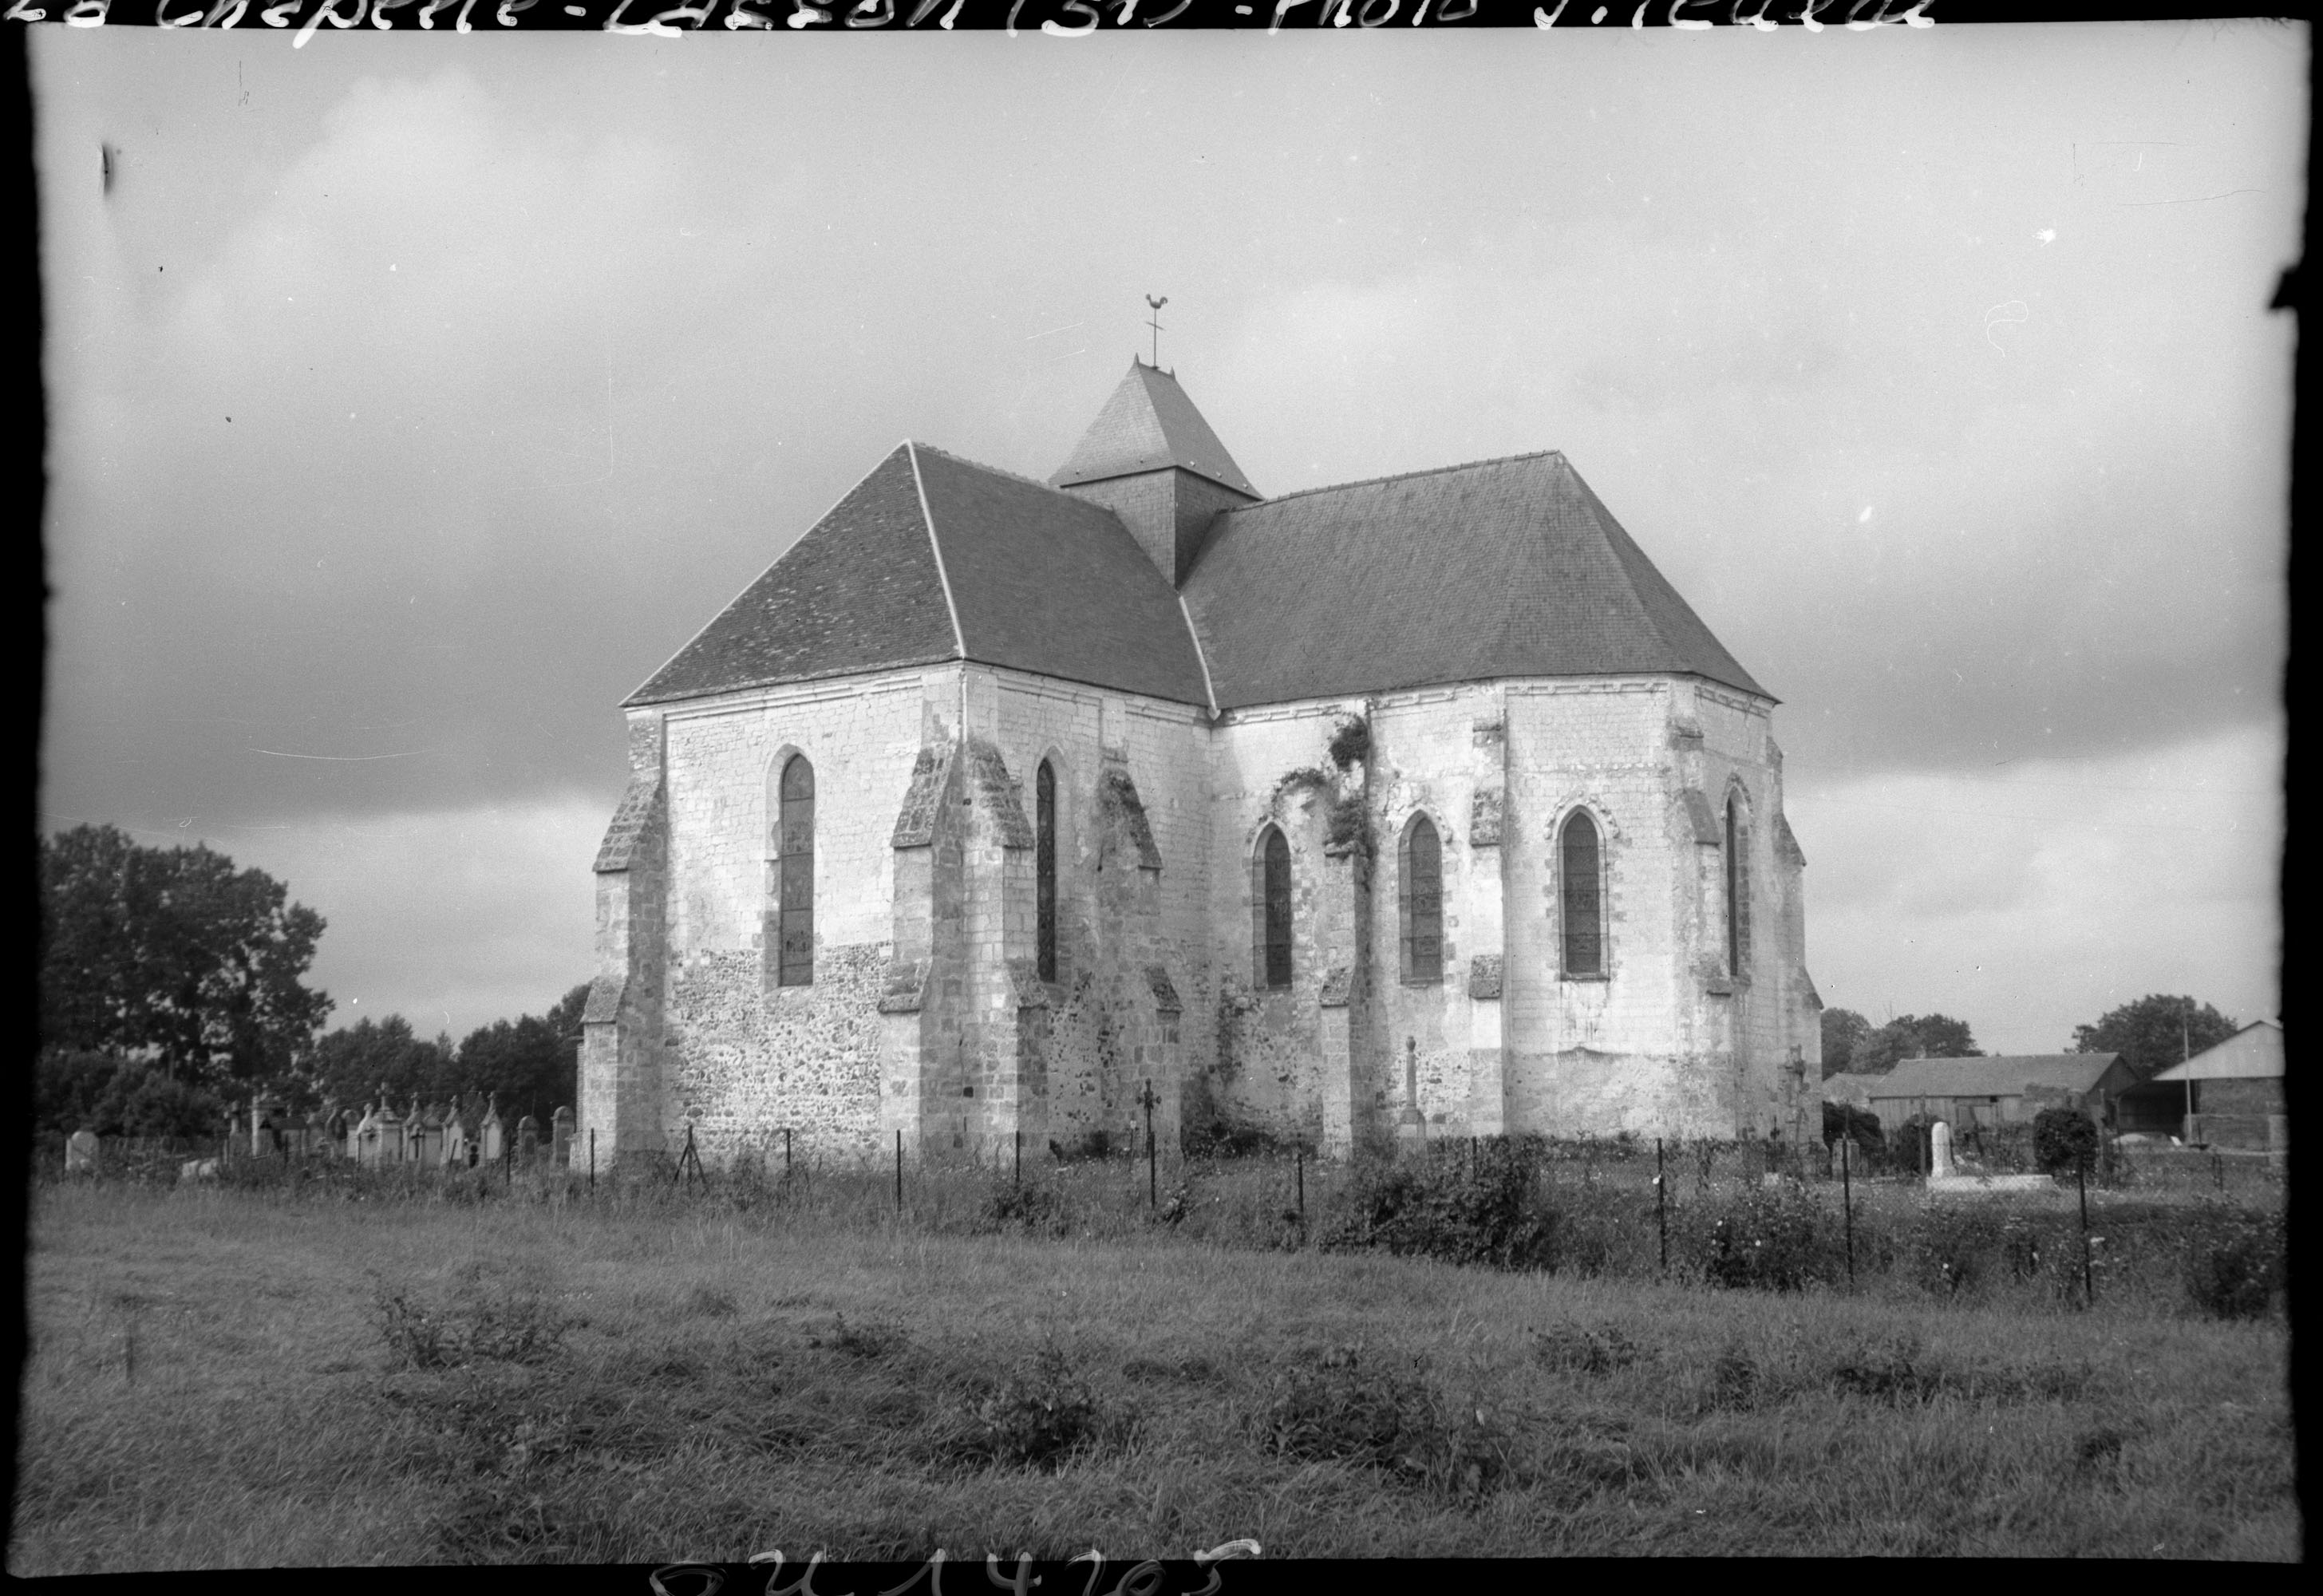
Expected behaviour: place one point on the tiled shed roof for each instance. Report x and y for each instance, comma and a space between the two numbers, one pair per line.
1148, 424
1502, 568
2006, 1076
1037, 580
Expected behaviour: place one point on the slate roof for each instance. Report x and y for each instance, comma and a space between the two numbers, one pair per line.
2006, 1076
1502, 568
1506, 567
1150, 425
2253, 1053
1040, 581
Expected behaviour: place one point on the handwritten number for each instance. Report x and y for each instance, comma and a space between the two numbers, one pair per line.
802, 1586
1025, 1579
1097, 1567
1145, 1579
933, 1568
1059, 31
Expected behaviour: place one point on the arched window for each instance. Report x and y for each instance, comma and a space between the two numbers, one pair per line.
1420, 900
1583, 902
1273, 884
1044, 869
1738, 889
794, 848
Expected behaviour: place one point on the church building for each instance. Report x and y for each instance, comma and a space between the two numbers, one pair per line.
1415, 806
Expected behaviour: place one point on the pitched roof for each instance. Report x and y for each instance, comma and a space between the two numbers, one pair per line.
2253, 1053
932, 558
1508, 567
2006, 1075
1150, 425
860, 591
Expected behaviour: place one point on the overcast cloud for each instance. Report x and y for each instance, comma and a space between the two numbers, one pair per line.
414, 397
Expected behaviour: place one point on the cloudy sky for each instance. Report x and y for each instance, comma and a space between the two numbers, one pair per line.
413, 397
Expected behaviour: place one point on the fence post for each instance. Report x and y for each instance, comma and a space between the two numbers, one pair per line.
787, 1155
1017, 1137
1846, 1206
1299, 1172
593, 1158
899, 1174
1661, 1205
2218, 1170
2082, 1181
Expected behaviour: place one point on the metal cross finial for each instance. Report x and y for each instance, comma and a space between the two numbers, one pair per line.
1155, 323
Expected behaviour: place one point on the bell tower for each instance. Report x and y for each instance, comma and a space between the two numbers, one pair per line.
1151, 459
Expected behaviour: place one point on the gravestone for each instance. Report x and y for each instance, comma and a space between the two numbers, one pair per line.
527, 1139
492, 1135
1411, 1124
1940, 1151
561, 1137
80, 1154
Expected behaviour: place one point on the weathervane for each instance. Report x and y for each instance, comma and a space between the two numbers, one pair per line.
1155, 323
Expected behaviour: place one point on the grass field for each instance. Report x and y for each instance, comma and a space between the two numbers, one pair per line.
232, 1379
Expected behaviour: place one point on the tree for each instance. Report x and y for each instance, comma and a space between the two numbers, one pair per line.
1843, 1029
350, 1065
1913, 1036
109, 1096
175, 956
2155, 1033
532, 1065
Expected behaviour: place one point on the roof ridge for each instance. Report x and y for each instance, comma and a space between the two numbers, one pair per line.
1398, 476
1000, 471
935, 543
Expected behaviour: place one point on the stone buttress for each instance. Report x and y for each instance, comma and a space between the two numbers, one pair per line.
621, 1025
964, 1020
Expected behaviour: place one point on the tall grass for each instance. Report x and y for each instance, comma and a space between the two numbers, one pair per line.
235, 1378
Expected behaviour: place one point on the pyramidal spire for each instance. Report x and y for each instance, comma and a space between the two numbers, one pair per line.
1152, 460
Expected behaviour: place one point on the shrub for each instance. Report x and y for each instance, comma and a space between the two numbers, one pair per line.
2234, 1274
2063, 1139
1482, 1209
1772, 1240
1220, 1139
1339, 1406
1351, 744
1041, 1413
515, 1329
1011, 1205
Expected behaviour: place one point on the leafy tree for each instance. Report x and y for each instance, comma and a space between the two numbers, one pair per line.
1843, 1029
2064, 1139
533, 1064
2155, 1033
68, 1086
174, 955
350, 1065
1913, 1036
110, 1096
157, 1105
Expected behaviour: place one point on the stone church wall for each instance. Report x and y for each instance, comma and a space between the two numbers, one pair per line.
1667, 1042
1105, 1027
1159, 974
743, 1056
1270, 1069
